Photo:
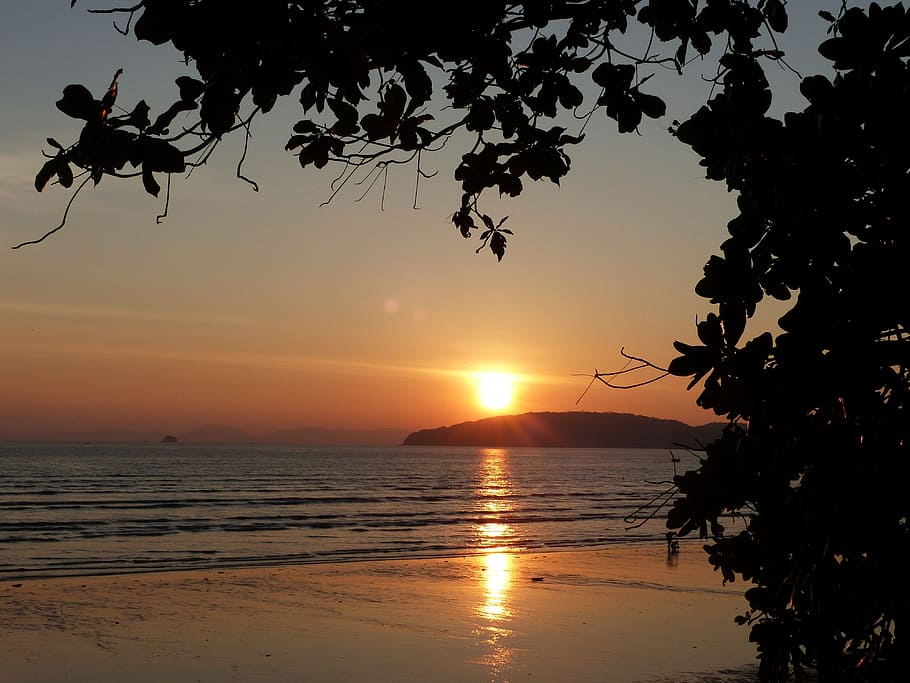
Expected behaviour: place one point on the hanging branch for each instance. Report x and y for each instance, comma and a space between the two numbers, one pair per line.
62, 222
246, 143
167, 201
636, 521
382, 110
607, 378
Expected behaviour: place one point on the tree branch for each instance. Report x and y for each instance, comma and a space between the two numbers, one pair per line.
62, 222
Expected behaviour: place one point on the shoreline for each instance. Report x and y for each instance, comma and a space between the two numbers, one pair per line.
617, 614
265, 563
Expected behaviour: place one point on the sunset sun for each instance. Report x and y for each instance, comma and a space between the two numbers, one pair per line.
494, 390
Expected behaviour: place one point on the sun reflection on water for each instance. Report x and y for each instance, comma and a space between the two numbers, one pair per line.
495, 536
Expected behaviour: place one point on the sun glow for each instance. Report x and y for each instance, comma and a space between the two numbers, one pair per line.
495, 389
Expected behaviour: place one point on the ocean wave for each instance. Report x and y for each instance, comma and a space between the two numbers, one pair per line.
105, 510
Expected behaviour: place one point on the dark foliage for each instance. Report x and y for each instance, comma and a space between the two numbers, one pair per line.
815, 456
383, 83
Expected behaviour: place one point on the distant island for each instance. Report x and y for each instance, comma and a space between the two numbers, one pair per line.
215, 434
568, 430
227, 435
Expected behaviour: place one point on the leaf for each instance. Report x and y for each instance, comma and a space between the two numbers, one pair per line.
417, 82
816, 89
346, 128
308, 97
509, 184
579, 64
48, 171
498, 245
392, 105
164, 120
625, 111
709, 331
296, 141
218, 109
58, 166
839, 51
481, 116
139, 117
110, 97
696, 361
613, 77
776, 14
342, 110
159, 155
78, 103
190, 88
651, 106
375, 126
148, 181
64, 173
463, 221
305, 127
570, 96
733, 315
316, 153
156, 22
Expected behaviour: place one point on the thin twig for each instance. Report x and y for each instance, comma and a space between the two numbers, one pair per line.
587, 387
118, 10
623, 353
607, 377
417, 182
370, 186
62, 222
167, 202
633, 386
633, 518
246, 144
341, 180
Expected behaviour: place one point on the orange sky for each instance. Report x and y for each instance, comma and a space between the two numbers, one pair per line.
265, 311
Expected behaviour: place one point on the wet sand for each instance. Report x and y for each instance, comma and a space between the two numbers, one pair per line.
617, 615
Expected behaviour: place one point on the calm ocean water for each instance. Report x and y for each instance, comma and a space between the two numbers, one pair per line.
101, 508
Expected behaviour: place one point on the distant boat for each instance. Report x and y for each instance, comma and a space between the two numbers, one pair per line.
170, 438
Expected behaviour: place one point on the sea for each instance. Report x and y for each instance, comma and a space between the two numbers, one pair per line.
83, 509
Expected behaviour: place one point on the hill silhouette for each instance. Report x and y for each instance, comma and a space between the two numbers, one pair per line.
568, 430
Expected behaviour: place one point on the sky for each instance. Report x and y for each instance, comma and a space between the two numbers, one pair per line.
268, 311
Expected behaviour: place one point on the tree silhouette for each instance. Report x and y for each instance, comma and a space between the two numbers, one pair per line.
384, 83
815, 456
817, 451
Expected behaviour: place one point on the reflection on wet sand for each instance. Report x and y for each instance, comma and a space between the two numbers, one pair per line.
497, 582
494, 611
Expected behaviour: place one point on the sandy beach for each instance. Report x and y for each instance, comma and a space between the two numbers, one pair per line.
615, 615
